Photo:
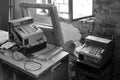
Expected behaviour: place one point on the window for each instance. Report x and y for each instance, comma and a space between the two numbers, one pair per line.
62, 7
82, 9
71, 9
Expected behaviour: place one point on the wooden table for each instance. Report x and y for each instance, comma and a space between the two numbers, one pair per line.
46, 64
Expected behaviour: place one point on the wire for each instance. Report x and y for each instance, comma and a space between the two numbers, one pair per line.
28, 63
18, 56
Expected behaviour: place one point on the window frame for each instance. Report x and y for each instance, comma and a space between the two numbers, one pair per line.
70, 11
56, 31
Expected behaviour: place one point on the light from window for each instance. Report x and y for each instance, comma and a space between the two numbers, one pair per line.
62, 7
82, 8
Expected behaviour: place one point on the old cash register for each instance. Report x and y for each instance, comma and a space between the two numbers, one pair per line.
96, 51
27, 35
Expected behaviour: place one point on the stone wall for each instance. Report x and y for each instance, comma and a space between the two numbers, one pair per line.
107, 13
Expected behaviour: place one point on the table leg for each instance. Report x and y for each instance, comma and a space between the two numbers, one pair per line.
14, 76
1, 72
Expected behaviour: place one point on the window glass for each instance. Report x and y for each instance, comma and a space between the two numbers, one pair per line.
62, 7
82, 8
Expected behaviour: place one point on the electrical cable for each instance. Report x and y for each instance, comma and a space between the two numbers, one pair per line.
16, 55
27, 65
17, 58
34, 62
29, 61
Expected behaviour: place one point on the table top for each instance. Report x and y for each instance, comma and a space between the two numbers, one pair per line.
46, 63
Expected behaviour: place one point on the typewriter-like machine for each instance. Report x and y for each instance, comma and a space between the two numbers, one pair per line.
95, 51
27, 35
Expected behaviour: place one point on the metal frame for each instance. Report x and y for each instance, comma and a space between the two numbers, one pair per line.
56, 31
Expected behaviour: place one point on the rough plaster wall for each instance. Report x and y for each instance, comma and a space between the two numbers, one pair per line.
70, 32
107, 14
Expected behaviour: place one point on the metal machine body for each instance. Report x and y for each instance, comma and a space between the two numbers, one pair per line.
27, 35
96, 51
